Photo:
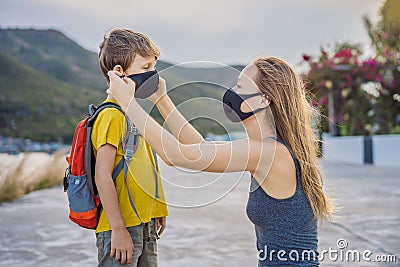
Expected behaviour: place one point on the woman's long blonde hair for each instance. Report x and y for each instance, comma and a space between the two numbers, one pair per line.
293, 115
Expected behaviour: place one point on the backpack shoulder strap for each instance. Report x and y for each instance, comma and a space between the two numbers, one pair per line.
93, 113
118, 169
129, 146
130, 141
156, 170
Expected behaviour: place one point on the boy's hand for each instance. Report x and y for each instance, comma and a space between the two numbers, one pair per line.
121, 245
161, 224
161, 92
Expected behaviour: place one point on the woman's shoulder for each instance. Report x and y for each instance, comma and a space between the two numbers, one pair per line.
279, 151
278, 178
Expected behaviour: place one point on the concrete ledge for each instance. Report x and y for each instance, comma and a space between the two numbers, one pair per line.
386, 150
343, 148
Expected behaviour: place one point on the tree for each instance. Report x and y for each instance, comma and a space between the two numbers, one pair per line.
385, 34
365, 92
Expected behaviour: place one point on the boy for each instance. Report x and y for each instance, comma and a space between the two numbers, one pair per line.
121, 237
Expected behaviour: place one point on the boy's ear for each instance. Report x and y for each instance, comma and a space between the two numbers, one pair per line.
118, 70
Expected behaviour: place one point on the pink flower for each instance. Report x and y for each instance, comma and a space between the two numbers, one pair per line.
344, 53
343, 56
387, 52
322, 101
386, 35
340, 117
371, 63
314, 103
306, 57
349, 81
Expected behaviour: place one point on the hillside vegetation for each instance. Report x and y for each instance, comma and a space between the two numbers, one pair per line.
47, 81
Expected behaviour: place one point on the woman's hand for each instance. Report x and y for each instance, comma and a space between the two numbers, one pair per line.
160, 93
122, 90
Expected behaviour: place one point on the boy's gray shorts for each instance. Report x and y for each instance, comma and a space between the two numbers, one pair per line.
145, 246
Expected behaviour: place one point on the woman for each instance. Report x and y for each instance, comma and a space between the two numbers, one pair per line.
287, 198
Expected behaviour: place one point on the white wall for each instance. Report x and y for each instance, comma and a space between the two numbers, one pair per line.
386, 150
343, 148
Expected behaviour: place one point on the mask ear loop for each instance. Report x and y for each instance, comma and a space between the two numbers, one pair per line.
248, 96
245, 97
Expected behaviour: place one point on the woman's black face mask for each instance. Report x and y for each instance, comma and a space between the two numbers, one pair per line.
232, 103
146, 83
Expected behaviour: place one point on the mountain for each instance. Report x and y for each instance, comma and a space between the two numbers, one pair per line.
47, 81
35, 105
51, 52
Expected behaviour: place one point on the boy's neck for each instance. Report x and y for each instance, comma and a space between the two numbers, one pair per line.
109, 98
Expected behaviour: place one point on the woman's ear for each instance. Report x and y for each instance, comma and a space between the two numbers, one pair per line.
265, 101
118, 70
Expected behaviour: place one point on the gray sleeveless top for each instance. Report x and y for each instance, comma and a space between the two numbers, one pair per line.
285, 229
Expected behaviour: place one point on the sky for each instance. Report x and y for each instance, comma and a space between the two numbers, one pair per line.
223, 31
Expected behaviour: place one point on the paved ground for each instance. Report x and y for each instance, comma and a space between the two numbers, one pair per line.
35, 230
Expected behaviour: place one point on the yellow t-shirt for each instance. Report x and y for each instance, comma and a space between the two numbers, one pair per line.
109, 128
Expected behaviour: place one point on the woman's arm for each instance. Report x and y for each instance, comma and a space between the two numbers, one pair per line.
233, 156
178, 124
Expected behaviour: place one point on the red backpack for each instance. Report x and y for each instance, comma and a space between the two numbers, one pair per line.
79, 183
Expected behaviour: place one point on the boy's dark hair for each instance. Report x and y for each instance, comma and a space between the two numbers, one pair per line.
120, 46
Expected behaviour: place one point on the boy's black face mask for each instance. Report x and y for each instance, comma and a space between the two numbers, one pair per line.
232, 103
146, 83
